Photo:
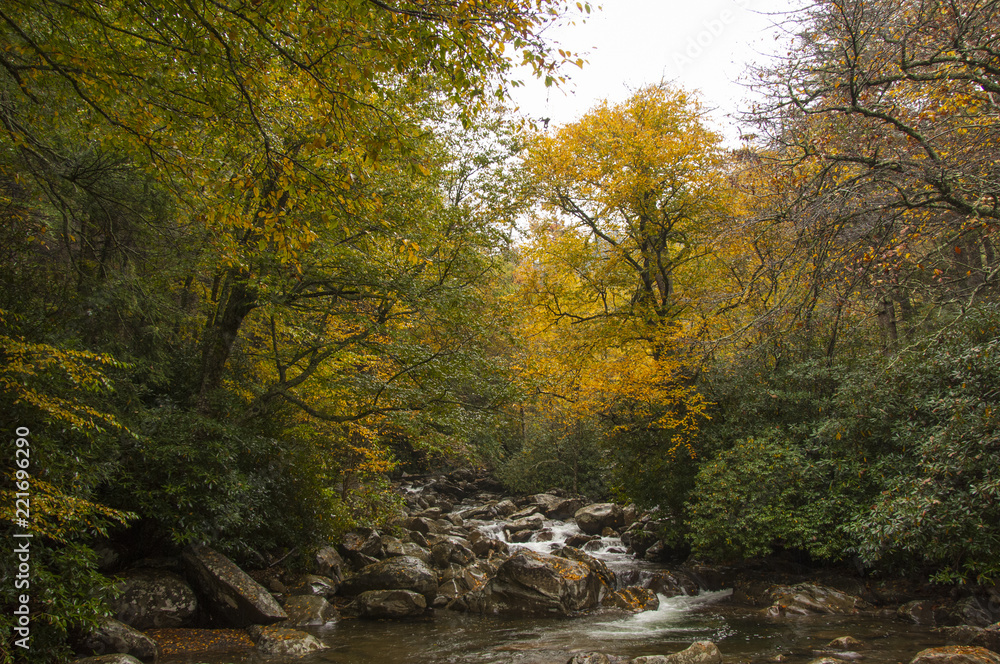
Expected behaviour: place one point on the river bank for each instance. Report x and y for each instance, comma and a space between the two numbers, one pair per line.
472, 576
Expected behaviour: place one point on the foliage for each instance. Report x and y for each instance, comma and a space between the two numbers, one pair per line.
541, 453
937, 456
613, 276
67, 597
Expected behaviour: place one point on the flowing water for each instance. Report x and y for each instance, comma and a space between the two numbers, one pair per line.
742, 634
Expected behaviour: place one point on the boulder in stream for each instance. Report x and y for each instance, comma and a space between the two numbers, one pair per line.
399, 573
597, 658
699, 652
969, 635
956, 655
807, 598
308, 610
388, 604
593, 519
283, 642
633, 599
531, 583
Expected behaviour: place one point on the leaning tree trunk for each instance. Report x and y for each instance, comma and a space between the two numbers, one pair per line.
221, 332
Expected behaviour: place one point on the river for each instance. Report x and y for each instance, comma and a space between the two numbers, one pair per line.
742, 634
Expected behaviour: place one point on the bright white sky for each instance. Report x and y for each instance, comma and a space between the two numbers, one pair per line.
702, 45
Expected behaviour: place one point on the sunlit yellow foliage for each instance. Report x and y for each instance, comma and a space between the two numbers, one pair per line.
617, 266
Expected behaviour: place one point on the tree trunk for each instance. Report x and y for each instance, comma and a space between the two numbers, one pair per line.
220, 335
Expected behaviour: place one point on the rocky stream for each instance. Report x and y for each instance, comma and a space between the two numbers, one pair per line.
474, 577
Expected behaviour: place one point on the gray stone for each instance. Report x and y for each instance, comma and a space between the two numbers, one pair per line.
533, 522
117, 658
597, 658
389, 604
329, 564
305, 610
956, 655
594, 518
632, 599
505, 508
153, 599
312, 584
229, 592
532, 583
416, 551
970, 611
115, 637
968, 635
806, 598
922, 612
274, 641
846, 643
700, 652
399, 573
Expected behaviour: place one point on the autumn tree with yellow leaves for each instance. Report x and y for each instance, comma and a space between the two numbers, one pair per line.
616, 268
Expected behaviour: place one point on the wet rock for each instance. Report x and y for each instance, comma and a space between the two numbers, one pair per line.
672, 584
229, 592
968, 635
417, 551
592, 519
956, 655
362, 547
807, 598
639, 541
521, 537
845, 643
923, 612
451, 551
580, 540
700, 652
153, 599
117, 658
565, 509
533, 522
329, 563
710, 577
633, 599
311, 584
421, 525
970, 611
505, 508
392, 546
598, 568
112, 636
597, 658
532, 583
284, 642
305, 610
389, 604
400, 573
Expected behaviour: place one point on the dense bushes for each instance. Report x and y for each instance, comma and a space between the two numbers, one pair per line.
889, 458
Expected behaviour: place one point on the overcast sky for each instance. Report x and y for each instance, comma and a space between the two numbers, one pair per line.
702, 45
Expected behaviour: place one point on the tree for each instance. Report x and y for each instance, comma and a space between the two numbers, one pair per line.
612, 273
886, 114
